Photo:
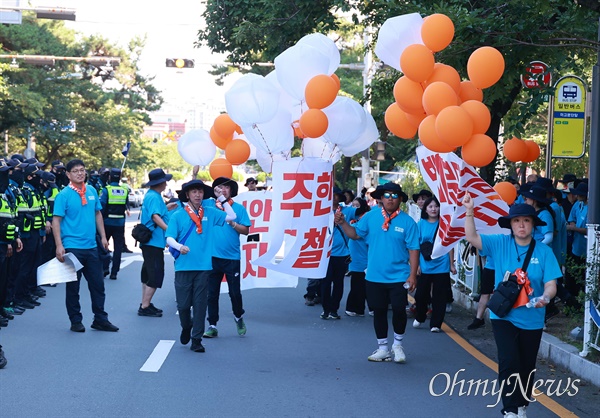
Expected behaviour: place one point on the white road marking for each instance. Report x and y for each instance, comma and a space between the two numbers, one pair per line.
125, 261
158, 356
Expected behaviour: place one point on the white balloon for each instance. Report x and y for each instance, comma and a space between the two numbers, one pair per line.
196, 147
297, 65
369, 135
252, 99
396, 34
266, 160
346, 121
285, 100
325, 45
319, 148
276, 135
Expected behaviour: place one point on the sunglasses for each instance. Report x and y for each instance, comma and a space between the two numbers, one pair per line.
390, 195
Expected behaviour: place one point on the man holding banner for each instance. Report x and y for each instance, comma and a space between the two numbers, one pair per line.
393, 259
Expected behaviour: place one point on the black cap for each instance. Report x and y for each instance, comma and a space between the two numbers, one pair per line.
34, 161
57, 164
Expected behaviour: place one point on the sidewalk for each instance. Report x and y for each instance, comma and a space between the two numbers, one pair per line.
552, 349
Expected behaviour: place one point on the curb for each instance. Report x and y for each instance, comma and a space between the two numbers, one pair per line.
551, 348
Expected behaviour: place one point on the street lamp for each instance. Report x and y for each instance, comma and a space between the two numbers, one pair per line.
56, 13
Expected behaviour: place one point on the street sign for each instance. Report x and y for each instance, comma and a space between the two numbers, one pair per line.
534, 70
568, 118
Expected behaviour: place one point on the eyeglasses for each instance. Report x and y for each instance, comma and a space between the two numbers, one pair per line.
390, 195
78, 171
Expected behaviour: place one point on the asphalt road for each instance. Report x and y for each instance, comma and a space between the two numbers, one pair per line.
290, 364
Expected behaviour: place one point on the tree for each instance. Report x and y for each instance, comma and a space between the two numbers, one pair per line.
560, 33
109, 105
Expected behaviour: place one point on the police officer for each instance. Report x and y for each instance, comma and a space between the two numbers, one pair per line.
115, 208
9, 235
58, 169
50, 193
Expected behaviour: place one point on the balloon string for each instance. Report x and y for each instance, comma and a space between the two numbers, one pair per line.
255, 126
333, 152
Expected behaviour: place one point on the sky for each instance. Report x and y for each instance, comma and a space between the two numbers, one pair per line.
171, 32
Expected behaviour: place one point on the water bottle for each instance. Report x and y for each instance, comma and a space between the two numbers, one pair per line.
406, 285
536, 299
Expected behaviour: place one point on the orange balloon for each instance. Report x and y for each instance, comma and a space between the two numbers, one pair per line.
429, 137
224, 126
237, 151
417, 62
398, 124
485, 67
437, 96
337, 80
408, 95
320, 91
220, 167
446, 74
218, 140
507, 191
297, 131
415, 119
480, 115
515, 150
437, 32
479, 151
533, 151
468, 91
454, 126
314, 123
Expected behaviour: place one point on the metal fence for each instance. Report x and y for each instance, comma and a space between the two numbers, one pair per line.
591, 324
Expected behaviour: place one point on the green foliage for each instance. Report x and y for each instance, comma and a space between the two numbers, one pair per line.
108, 106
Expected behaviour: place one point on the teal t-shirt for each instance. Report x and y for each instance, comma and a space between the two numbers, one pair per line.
226, 242
388, 254
540, 231
542, 269
340, 247
199, 258
154, 204
579, 215
427, 231
78, 226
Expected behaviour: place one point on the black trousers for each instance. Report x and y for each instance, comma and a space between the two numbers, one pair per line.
379, 296
358, 293
3, 274
517, 353
117, 233
332, 285
432, 288
27, 261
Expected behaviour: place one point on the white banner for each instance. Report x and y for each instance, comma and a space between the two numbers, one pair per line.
449, 177
301, 216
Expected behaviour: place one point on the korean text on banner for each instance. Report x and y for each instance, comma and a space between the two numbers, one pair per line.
302, 199
449, 177
260, 210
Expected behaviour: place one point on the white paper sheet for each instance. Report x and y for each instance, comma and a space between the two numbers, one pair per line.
54, 271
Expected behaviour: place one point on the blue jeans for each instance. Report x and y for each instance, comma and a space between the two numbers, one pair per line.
231, 270
92, 270
190, 291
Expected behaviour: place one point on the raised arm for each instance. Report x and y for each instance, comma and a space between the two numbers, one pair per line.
349, 230
471, 233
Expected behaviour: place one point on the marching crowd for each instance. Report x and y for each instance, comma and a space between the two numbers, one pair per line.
70, 210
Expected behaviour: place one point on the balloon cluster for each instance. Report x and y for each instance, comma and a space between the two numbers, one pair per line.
516, 150
430, 97
297, 99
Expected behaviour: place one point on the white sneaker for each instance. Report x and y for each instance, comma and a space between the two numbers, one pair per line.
399, 356
435, 329
372, 313
417, 324
448, 307
510, 415
380, 355
350, 313
522, 412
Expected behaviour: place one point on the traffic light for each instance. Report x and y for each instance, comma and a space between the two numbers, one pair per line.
179, 63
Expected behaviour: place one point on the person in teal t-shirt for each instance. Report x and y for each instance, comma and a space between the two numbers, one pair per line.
77, 218
393, 259
191, 231
518, 334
